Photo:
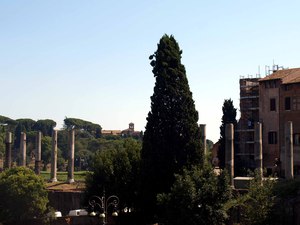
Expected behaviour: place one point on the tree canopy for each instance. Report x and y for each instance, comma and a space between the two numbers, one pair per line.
116, 170
229, 116
256, 205
197, 197
92, 128
172, 136
23, 195
45, 126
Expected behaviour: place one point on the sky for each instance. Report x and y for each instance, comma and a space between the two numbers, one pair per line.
90, 59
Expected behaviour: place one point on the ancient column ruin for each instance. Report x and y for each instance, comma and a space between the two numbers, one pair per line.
54, 157
258, 156
289, 155
229, 151
203, 137
71, 156
23, 149
8, 142
38, 152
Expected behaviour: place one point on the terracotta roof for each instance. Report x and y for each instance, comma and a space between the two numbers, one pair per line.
286, 75
112, 132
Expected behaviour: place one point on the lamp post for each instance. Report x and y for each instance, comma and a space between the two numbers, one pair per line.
100, 206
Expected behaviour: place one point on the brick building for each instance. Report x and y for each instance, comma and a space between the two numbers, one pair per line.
279, 102
129, 132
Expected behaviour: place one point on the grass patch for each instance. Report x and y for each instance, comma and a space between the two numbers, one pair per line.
63, 176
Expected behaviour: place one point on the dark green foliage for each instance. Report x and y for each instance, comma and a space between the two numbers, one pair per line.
172, 137
5, 120
83, 157
116, 170
2, 144
9, 123
62, 142
287, 188
197, 197
23, 195
229, 116
93, 129
286, 203
45, 126
46, 150
23, 125
256, 205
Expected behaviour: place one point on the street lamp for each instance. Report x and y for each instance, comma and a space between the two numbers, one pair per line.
101, 205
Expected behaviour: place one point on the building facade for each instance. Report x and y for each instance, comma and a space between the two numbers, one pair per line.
249, 109
279, 102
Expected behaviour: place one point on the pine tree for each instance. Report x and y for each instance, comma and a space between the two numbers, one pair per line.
229, 116
172, 137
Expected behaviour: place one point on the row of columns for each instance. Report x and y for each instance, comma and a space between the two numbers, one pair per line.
38, 151
258, 153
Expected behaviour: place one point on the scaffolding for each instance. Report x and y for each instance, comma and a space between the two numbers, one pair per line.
249, 109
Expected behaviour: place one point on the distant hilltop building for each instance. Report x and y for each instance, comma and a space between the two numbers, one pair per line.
273, 101
129, 132
110, 132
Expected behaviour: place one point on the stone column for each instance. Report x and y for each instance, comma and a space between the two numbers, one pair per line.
71, 156
8, 142
203, 138
54, 157
38, 152
229, 151
289, 156
258, 148
23, 149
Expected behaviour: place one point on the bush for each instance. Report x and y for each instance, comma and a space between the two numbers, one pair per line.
23, 195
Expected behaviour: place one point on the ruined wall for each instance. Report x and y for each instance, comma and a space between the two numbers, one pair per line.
66, 201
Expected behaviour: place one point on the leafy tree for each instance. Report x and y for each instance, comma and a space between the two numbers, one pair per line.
95, 145
172, 136
47, 151
116, 170
23, 195
197, 197
256, 205
23, 125
10, 123
45, 126
2, 145
287, 193
62, 142
93, 129
229, 116
209, 144
46, 144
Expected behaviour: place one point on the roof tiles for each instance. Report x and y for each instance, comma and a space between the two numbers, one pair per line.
286, 75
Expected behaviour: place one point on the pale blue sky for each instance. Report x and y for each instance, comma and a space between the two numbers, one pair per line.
89, 59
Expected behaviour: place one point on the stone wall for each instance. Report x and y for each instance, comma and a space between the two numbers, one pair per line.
66, 201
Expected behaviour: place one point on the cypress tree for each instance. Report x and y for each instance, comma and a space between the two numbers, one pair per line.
229, 116
172, 136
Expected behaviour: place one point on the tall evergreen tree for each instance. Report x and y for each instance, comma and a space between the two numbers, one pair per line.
229, 116
172, 137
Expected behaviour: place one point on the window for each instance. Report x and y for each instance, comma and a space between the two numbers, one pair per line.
271, 84
287, 87
272, 137
296, 103
287, 103
272, 104
297, 139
